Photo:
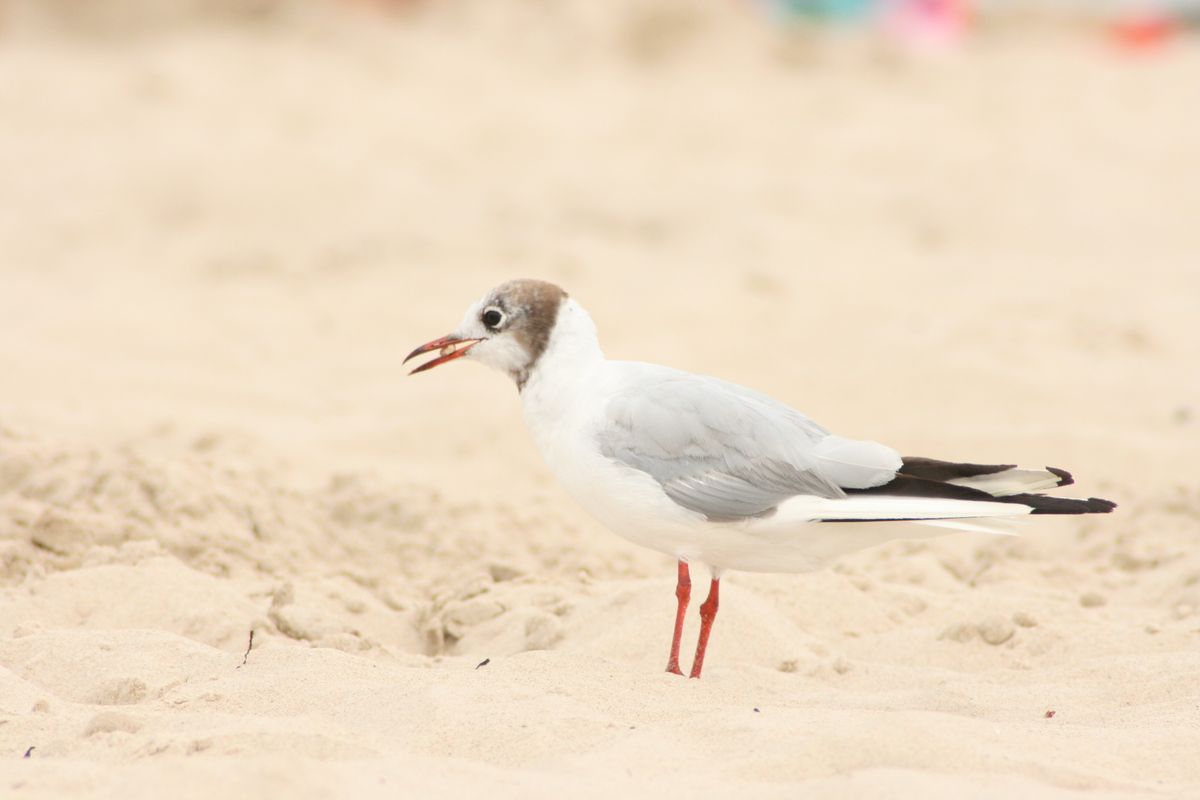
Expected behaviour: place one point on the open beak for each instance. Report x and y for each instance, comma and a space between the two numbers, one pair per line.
451, 347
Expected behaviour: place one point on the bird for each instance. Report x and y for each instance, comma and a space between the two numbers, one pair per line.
713, 473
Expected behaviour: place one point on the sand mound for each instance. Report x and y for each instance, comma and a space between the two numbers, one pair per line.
210, 552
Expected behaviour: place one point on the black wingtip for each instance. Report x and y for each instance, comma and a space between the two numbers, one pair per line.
1044, 504
1064, 477
932, 469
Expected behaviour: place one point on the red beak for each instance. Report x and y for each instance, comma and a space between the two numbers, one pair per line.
451, 347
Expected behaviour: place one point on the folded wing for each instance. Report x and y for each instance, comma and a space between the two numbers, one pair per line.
729, 453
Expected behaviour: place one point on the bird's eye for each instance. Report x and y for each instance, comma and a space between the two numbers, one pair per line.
493, 318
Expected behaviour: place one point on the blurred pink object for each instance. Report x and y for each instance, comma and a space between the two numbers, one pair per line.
927, 24
1142, 29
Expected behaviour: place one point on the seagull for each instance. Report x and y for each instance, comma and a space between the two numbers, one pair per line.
713, 473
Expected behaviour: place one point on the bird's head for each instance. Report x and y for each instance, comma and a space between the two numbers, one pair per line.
508, 329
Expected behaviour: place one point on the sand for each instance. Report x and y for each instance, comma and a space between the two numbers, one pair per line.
219, 241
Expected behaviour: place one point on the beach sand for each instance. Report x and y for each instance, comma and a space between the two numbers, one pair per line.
219, 241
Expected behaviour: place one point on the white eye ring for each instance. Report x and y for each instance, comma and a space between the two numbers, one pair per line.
492, 318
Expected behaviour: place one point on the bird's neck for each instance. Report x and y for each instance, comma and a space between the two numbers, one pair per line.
563, 369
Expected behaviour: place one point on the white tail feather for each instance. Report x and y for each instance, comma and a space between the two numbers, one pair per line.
1011, 481
885, 507
1004, 526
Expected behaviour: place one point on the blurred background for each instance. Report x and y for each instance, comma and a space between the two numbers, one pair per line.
968, 229
948, 19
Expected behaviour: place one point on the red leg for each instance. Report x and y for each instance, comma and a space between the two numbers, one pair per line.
683, 592
708, 612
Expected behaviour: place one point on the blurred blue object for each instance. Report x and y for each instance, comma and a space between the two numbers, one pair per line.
824, 10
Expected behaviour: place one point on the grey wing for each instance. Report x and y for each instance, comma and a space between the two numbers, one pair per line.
722, 450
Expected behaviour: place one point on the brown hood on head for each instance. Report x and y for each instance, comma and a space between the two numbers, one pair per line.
533, 306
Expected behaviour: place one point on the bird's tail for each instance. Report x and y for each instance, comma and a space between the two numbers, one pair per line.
926, 489
1005, 483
